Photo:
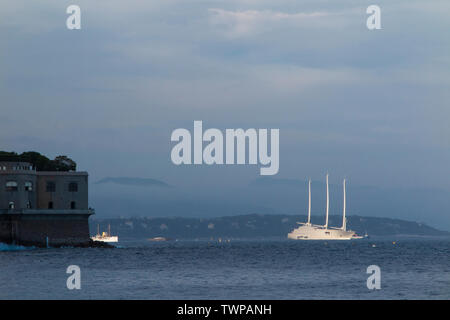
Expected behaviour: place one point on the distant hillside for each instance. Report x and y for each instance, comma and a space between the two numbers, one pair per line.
128, 181
131, 198
251, 226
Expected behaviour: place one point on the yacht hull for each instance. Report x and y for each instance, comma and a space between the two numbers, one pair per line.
106, 239
310, 232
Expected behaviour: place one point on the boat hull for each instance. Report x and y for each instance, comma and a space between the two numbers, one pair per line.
311, 232
106, 239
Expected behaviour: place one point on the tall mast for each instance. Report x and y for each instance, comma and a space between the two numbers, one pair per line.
109, 230
328, 205
309, 201
344, 221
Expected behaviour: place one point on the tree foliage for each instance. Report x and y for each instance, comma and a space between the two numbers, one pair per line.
39, 161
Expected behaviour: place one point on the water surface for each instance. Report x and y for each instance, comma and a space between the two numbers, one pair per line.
239, 269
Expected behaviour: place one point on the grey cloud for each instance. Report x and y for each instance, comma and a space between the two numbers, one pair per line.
372, 105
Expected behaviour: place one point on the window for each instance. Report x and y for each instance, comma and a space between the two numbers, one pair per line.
50, 205
28, 186
28, 204
72, 205
11, 205
11, 186
51, 186
73, 187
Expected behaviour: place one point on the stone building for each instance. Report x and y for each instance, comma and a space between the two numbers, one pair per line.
43, 207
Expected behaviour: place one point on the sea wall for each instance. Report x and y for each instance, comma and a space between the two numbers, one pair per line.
41, 229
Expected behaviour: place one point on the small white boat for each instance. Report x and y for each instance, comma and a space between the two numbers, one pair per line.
157, 239
105, 236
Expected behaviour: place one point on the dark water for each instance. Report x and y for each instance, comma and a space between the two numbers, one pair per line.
275, 269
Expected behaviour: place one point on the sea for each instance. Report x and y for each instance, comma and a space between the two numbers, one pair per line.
409, 268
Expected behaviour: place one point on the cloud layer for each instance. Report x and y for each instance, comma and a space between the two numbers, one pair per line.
372, 105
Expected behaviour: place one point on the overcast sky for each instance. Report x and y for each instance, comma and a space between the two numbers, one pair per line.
369, 105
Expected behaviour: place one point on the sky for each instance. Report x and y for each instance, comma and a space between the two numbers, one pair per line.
369, 105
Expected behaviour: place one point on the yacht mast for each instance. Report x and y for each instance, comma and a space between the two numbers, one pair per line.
328, 205
344, 221
309, 202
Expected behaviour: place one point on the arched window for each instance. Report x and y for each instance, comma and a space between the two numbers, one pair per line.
11, 205
73, 205
73, 187
11, 186
28, 186
50, 205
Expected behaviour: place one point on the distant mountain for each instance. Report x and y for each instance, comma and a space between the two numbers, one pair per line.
127, 181
430, 205
129, 197
269, 181
251, 226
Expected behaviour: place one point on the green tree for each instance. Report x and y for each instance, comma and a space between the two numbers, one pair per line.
39, 161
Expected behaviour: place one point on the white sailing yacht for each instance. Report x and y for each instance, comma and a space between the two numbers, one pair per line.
105, 236
308, 231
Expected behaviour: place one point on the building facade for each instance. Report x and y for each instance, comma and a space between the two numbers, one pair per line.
43, 207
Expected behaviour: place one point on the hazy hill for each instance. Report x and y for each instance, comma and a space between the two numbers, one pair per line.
128, 197
250, 226
128, 181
